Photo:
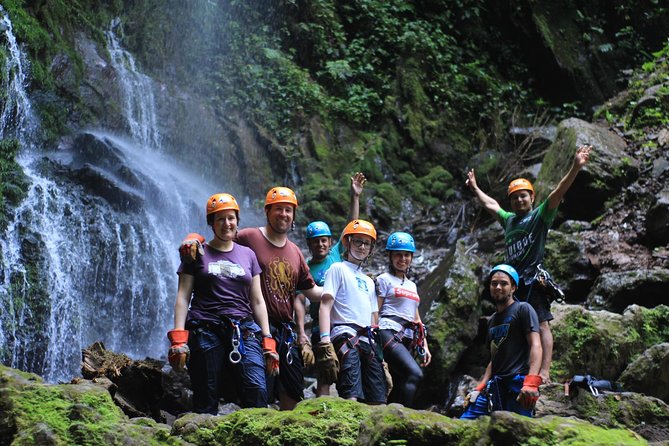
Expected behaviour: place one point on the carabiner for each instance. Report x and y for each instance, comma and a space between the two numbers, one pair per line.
235, 356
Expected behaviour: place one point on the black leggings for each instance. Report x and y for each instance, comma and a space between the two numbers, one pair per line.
406, 373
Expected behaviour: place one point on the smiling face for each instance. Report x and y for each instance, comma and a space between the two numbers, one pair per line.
319, 247
280, 217
225, 224
521, 201
501, 288
401, 261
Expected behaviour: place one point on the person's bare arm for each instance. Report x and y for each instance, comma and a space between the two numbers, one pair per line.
357, 185
258, 305
300, 313
327, 302
534, 342
489, 204
314, 294
184, 293
580, 159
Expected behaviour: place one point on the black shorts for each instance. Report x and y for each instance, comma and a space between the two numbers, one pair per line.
538, 298
361, 374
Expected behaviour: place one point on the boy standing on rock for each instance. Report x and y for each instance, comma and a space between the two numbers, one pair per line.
525, 232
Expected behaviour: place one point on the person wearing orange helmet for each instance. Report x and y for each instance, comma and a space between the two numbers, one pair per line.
323, 255
284, 271
220, 316
525, 232
349, 309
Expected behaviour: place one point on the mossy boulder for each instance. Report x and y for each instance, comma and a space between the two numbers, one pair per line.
607, 172
568, 264
628, 410
601, 343
649, 373
328, 422
452, 306
68, 414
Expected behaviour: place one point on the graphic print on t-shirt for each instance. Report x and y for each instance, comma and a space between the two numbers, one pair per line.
407, 294
225, 268
497, 335
279, 279
362, 285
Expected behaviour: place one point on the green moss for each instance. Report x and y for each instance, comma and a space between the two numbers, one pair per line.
13, 182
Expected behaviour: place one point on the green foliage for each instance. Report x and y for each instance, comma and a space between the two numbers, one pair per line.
13, 182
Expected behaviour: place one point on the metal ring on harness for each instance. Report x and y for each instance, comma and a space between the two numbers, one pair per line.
235, 356
289, 341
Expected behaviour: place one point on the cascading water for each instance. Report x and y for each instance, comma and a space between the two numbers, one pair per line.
140, 110
90, 253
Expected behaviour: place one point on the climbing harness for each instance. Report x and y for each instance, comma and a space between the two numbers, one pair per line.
544, 279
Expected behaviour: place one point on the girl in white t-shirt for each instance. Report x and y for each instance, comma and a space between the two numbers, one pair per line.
349, 309
401, 332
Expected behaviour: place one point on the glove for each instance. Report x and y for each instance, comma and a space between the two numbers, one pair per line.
190, 247
389, 378
307, 354
529, 394
327, 363
474, 394
179, 352
271, 356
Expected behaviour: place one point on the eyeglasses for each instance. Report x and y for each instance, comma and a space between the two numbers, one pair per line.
359, 243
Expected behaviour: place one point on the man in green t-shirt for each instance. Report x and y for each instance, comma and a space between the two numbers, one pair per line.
525, 232
323, 255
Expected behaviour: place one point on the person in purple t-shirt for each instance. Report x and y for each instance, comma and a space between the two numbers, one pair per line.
221, 330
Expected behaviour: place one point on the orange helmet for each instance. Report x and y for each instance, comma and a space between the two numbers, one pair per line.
520, 184
280, 195
360, 227
221, 202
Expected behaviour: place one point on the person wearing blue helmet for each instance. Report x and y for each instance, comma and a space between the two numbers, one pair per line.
401, 332
323, 255
511, 381
525, 235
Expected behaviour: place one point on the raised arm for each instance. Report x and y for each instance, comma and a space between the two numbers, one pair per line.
488, 203
580, 159
357, 184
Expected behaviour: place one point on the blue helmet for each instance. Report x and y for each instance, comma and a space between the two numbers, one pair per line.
506, 269
318, 229
400, 241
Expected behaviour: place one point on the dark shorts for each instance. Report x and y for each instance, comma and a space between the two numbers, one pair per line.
291, 367
538, 298
360, 372
214, 376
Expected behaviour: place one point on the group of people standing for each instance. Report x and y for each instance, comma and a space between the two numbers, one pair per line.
240, 310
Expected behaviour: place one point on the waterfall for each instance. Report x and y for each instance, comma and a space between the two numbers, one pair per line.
140, 109
90, 253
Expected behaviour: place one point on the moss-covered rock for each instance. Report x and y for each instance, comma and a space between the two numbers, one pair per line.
452, 294
649, 373
602, 343
607, 172
69, 414
566, 260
